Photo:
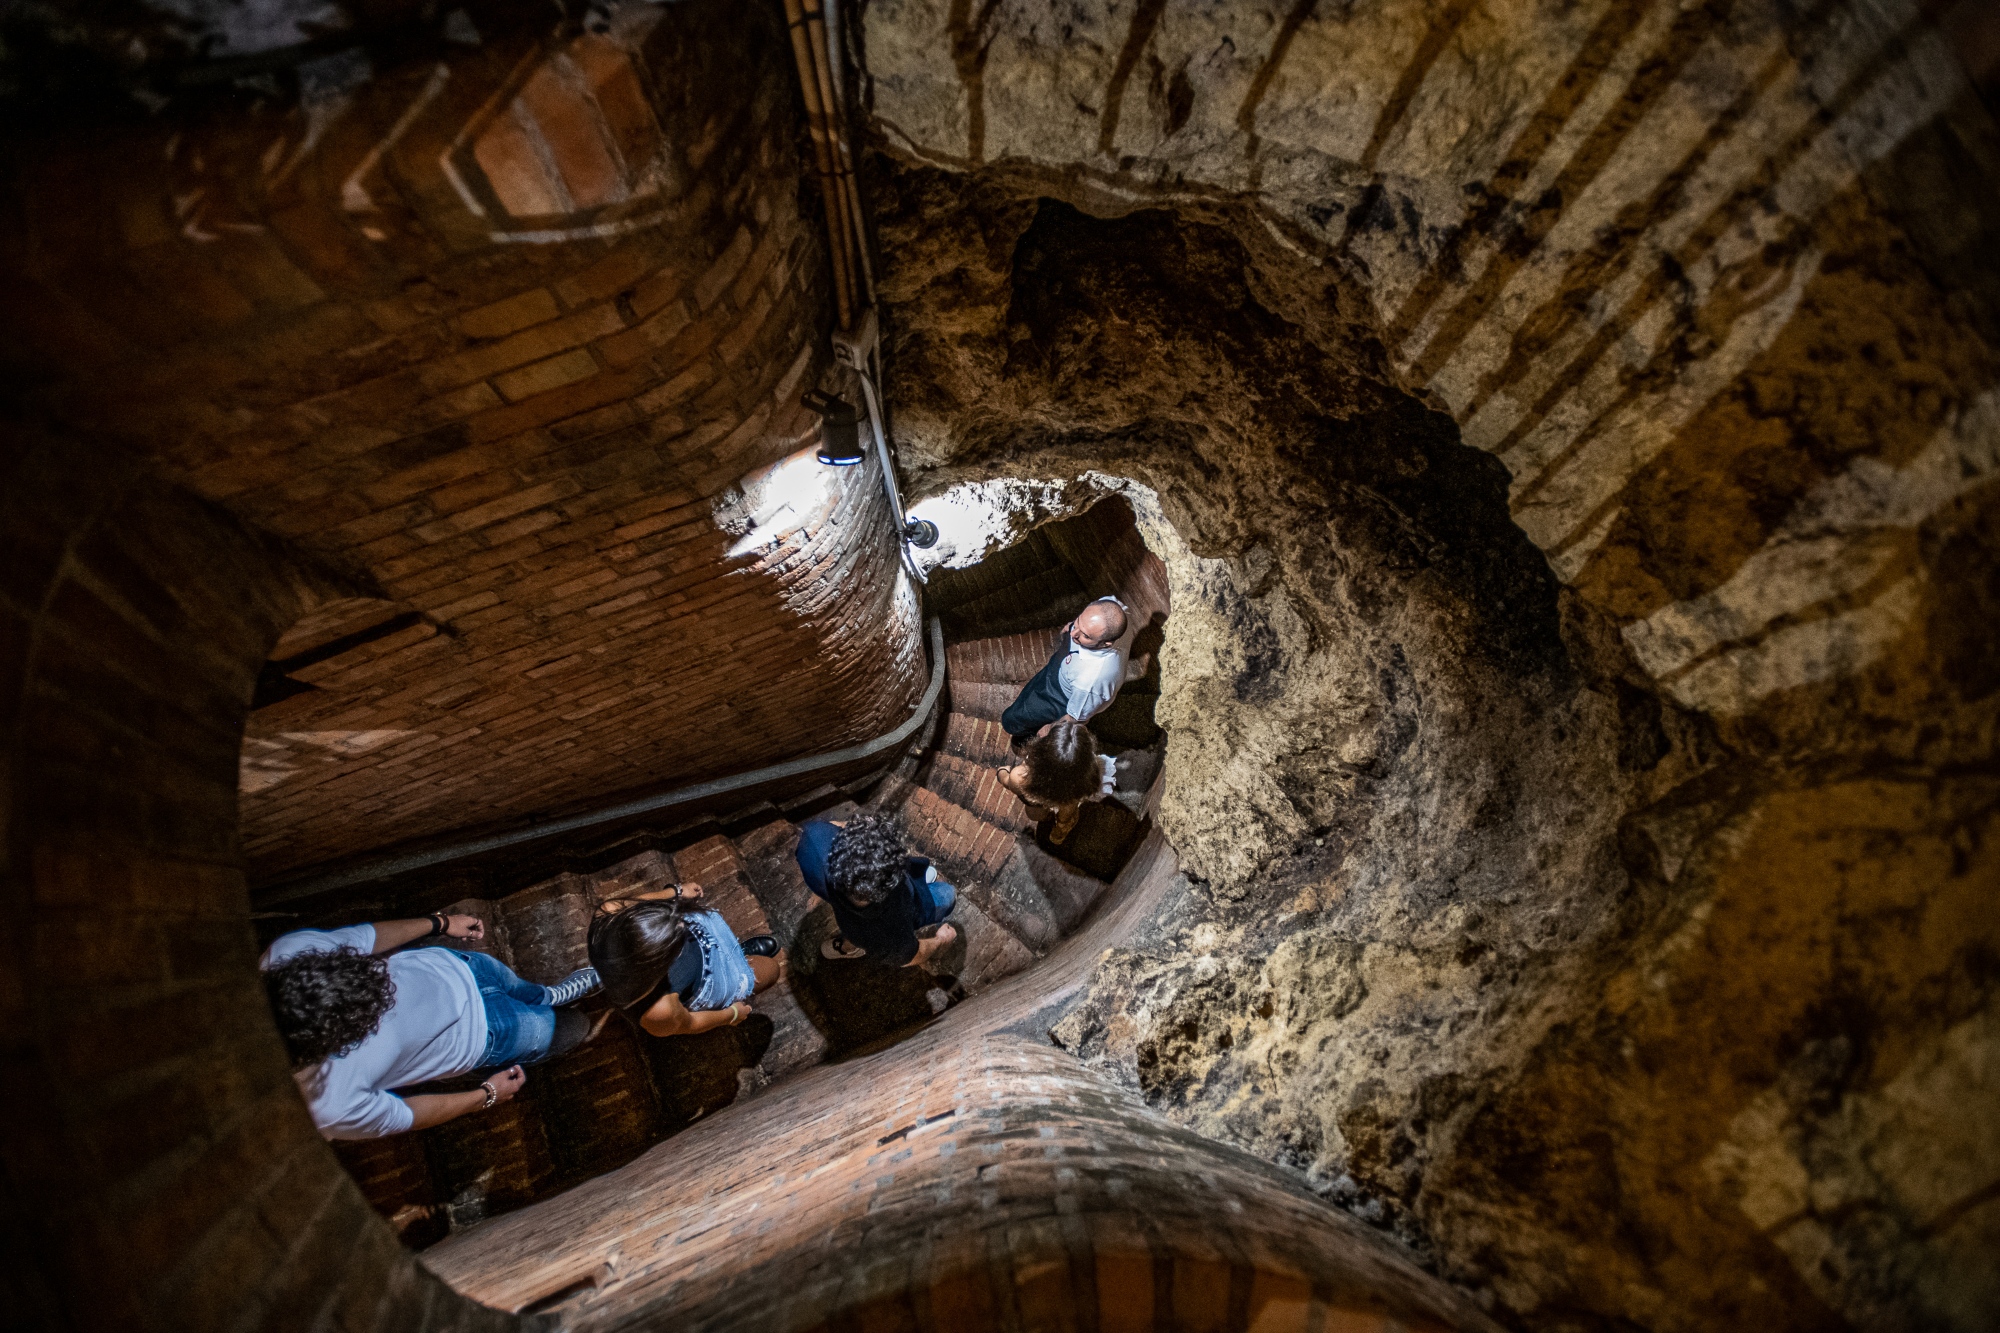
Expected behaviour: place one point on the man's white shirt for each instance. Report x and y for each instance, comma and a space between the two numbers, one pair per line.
435, 1028
1091, 677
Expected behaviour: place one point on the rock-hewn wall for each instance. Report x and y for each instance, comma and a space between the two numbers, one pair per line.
1573, 435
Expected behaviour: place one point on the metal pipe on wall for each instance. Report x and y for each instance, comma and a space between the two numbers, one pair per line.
820, 24
821, 128
857, 345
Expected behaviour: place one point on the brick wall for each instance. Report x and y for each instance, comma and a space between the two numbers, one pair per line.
962, 1180
497, 333
161, 1171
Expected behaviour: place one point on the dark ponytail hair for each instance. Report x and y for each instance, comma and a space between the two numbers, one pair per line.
1063, 765
633, 947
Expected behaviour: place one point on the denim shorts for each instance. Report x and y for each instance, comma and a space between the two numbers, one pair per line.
725, 971
520, 1022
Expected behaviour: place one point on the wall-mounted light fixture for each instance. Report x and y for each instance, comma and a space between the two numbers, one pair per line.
857, 349
839, 428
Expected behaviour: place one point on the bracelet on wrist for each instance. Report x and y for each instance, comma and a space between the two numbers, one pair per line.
492, 1095
440, 923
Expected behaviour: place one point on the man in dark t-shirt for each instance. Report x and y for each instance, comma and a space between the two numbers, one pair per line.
880, 895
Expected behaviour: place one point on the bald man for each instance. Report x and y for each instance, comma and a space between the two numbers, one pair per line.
1083, 676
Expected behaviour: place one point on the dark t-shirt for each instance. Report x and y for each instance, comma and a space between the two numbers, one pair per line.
888, 929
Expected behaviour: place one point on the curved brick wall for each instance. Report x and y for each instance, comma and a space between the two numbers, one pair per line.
971, 1177
497, 330
161, 1172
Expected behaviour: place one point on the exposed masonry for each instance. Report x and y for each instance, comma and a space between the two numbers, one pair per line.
525, 445
165, 1150
599, 1107
971, 1176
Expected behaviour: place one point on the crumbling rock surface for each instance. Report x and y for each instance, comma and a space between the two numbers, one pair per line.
1581, 742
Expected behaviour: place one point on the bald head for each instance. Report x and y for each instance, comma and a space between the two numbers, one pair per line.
1101, 621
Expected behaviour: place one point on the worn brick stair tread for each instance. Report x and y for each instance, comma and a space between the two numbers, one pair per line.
1048, 598
1004, 659
1070, 889
976, 787
966, 848
976, 740
982, 699
772, 869
716, 865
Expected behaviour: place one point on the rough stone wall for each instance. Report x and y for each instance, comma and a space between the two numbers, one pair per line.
509, 331
1573, 442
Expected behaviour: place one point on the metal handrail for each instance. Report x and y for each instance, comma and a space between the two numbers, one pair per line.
387, 867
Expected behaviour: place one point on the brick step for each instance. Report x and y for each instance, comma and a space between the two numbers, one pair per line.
976, 739
976, 787
981, 859
717, 865
492, 1162
1069, 889
952, 588
771, 866
545, 927
1006, 659
394, 1175
1046, 599
598, 1104
982, 699
966, 849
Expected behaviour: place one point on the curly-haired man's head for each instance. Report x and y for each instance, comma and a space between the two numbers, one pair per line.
865, 862
326, 1004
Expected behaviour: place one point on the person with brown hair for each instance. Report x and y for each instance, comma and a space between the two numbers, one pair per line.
676, 968
1061, 769
366, 1018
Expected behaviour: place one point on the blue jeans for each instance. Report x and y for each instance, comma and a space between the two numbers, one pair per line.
934, 902
520, 1021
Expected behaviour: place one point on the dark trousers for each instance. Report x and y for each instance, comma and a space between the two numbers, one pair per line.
1041, 700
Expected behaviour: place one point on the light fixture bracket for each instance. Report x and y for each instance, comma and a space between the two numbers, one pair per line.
855, 348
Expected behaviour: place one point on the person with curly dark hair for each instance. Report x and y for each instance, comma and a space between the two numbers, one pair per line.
361, 1017
881, 896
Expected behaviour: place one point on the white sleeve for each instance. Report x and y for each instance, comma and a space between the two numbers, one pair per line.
287, 947
371, 1115
1110, 782
1096, 694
